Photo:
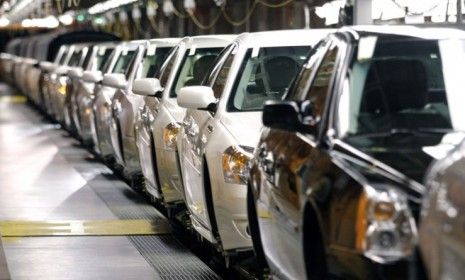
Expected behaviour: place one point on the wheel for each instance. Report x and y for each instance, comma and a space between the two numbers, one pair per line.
314, 248
255, 234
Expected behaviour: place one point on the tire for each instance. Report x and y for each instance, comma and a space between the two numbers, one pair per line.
255, 233
314, 248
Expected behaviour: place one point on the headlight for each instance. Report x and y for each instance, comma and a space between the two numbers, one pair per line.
236, 164
170, 134
62, 86
386, 230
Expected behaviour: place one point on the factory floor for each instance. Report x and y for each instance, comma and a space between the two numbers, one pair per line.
65, 215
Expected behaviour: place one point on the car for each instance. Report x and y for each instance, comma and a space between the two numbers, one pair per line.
61, 82
104, 58
48, 78
157, 121
125, 105
122, 72
441, 236
222, 125
335, 184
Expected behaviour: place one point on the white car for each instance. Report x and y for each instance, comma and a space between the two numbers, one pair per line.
117, 79
103, 60
126, 104
157, 122
222, 126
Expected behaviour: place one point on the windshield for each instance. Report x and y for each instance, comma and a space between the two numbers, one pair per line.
405, 89
75, 58
152, 62
266, 75
102, 57
123, 62
194, 68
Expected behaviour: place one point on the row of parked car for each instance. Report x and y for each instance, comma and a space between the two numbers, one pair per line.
310, 147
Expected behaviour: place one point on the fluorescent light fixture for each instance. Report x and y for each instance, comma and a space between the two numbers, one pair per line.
108, 5
4, 21
66, 19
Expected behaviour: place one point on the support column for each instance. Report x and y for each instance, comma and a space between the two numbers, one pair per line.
362, 12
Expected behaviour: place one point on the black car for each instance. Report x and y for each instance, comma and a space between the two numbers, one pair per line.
336, 182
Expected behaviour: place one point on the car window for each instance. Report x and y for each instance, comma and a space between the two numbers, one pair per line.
299, 89
123, 62
194, 68
219, 75
168, 66
151, 64
265, 74
65, 56
75, 58
61, 53
401, 93
103, 56
318, 91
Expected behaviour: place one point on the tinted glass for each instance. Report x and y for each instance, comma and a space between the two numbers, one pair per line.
102, 58
168, 66
75, 58
152, 63
123, 62
400, 95
266, 75
194, 68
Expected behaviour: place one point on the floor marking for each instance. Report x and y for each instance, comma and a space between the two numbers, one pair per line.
13, 99
83, 228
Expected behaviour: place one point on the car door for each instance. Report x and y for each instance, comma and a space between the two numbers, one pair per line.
198, 125
294, 155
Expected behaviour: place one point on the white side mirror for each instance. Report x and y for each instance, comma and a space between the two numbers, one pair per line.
147, 87
62, 70
116, 80
196, 97
92, 76
75, 73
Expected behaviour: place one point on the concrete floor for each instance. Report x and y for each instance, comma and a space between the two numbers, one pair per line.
46, 177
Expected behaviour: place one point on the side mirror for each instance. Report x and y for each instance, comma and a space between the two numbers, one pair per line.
75, 73
92, 76
46, 66
289, 116
116, 80
147, 87
62, 70
196, 97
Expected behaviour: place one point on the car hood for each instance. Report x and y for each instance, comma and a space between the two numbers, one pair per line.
404, 165
245, 127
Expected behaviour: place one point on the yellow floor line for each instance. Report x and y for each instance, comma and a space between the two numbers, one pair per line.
83, 228
13, 99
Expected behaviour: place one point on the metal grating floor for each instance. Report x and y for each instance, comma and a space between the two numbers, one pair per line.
48, 177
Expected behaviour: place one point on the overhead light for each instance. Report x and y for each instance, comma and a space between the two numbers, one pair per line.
66, 19
108, 5
47, 22
4, 21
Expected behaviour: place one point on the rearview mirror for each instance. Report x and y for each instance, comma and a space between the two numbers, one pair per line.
196, 97
92, 76
147, 87
116, 80
289, 116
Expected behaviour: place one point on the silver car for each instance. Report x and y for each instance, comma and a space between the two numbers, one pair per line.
126, 104
117, 79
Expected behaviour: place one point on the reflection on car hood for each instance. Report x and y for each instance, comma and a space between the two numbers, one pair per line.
244, 127
405, 163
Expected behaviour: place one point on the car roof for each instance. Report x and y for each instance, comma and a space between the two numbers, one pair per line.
208, 41
164, 42
295, 37
404, 32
